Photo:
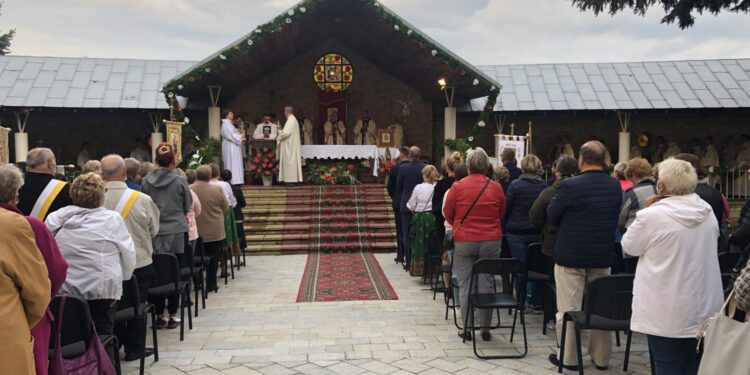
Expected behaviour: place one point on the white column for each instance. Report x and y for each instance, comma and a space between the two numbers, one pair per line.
21, 141
624, 150
214, 123
156, 138
450, 127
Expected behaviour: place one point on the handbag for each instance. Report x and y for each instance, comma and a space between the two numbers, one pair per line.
726, 343
94, 361
448, 244
742, 289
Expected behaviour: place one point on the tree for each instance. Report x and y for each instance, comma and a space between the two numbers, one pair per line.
6, 38
680, 10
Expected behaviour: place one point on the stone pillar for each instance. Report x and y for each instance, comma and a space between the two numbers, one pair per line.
156, 138
624, 150
22, 146
450, 127
214, 123
4, 150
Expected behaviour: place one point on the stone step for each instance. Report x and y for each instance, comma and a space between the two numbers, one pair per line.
262, 227
301, 210
308, 236
308, 202
305, 217
305, 248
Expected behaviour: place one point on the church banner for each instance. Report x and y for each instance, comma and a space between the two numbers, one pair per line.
516, 142
174, 138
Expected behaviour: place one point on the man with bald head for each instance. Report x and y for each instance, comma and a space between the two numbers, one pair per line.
42, 194
409, 176
585, 210
141, 216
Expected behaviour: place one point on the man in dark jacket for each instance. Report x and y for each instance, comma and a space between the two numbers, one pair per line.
584, 209
396, 202
509, 161
41, 194
409, 176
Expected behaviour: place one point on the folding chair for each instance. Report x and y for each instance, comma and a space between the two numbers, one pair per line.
129, 308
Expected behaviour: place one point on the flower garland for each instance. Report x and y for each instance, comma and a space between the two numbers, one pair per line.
206, 150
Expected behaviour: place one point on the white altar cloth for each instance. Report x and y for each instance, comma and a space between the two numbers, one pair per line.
348, 152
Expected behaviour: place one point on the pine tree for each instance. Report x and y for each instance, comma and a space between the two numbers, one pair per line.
681, 11
6, 38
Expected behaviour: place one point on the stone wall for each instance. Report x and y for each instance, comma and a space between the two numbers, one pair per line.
372, 90
725, 125
109, 131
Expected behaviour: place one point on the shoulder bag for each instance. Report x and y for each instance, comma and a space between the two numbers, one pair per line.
726, 343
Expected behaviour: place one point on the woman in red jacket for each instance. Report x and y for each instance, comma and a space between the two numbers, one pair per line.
477, 233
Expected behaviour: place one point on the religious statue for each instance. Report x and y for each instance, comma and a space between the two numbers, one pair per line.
231, 149
267, 129
398, 132
366, 131
335, 130
290, 155
306, 128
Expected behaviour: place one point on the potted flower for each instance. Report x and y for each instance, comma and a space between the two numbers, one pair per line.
263, 162
386, 164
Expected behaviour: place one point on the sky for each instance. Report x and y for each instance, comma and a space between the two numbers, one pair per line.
484, 32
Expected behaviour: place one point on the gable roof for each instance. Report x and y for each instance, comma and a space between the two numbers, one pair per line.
622, 86
27, 81
365, 26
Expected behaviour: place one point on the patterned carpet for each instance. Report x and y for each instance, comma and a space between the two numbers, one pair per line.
347, 276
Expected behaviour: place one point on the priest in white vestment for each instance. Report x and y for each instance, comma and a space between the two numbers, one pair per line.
710, 155
335, 130
398, 133
231, 149
266, 130
366, 131
290, 155
306, 127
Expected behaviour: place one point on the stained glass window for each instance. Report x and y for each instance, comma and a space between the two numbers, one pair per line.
333, 72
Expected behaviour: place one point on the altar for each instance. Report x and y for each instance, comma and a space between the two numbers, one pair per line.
367, 152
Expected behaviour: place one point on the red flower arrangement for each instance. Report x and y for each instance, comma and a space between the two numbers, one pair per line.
387, 163
262, 161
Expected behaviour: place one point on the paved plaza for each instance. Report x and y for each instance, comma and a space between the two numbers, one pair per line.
254, 326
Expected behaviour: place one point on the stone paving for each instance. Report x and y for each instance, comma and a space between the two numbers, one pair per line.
254, 326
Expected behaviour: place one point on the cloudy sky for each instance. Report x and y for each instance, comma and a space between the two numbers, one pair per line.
482, 31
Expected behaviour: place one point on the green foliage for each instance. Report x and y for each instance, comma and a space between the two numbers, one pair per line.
206, 150
677, 10
6, 39
464, 144
336, 173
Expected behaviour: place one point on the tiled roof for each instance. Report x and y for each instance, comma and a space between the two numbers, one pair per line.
634, 85
85, 83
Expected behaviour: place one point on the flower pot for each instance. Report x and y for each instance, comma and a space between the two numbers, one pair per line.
267, 180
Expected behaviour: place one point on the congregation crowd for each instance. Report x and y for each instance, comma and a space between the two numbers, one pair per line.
663, 223
100, 230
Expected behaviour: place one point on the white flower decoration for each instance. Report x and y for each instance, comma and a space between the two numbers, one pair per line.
171, 95
481, 124
290, 12
222, 57
410, 32
476, 82
196, 156
180, 87
303, 9
249, 42
434, 52
493, 88
258, 31
288, 20
197, 138
377, 4
186, 120
395, 27
471, 139
208, 70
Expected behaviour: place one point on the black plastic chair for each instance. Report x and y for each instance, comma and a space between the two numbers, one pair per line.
201, 261
432, 260
192, 274
167, 283
538, 273
129, 308
497, 301
607, 307
76, 332
728, 261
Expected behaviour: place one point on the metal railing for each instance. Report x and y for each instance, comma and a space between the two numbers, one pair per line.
733, 183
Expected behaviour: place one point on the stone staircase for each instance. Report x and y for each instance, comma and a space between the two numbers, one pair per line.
292, 220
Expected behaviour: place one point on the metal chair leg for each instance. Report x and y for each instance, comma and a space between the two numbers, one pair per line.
560, 358
153, 333
627, 350
579, 351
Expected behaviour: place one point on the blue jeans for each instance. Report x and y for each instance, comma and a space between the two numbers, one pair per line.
519, 248
674, 356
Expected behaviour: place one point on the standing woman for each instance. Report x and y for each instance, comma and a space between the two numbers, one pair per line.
231, 149
476, 229
423, 222
441, 187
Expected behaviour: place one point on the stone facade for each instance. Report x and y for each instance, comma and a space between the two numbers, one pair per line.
373, 90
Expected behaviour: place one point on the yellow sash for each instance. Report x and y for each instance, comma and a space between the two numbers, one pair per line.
45, 199
129, 196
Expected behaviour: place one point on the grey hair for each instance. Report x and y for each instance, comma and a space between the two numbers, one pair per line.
532, 165
11, 180
131, 167
678, 176
111, 168
477, 161
620, 170
38, 156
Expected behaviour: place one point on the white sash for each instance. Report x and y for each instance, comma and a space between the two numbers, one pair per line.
126, 202
43, 203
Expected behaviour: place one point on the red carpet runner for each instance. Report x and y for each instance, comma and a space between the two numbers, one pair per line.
349, 276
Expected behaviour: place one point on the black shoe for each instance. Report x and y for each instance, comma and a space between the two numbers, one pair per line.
398, 260
486, 336
466, 335
553, 360
600, 368
134, 356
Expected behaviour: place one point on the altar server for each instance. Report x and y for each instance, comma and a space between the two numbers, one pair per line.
335, 130
231, 149
266, 130
365, 131
398, 132
290, 158
306, 128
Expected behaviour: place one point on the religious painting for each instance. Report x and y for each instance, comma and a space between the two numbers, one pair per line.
385, 138
174, 138
333, 73
516, 143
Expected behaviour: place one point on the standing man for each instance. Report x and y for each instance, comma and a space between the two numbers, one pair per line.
409, 176
132, 166
508, 158
266, 129
365, 131
41, 194
290, 155
396, 202
306, 128
231, 149
335, 130
141, 217
585, 210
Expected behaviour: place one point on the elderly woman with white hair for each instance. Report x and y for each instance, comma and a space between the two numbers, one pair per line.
474, 209
678, 282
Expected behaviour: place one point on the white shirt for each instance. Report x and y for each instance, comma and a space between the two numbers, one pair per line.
448, 226
421, 198
98, 248
227, 191
259, 131
678, 281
